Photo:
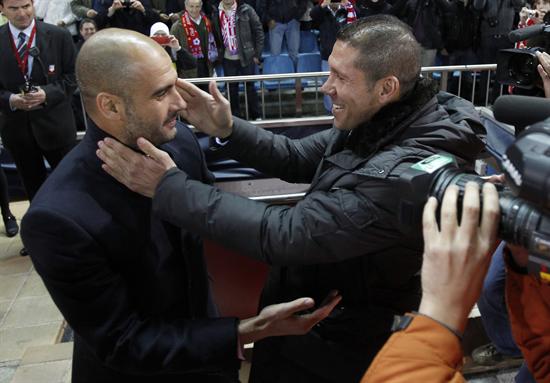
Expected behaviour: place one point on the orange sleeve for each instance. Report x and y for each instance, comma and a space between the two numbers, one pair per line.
423, 352
528, 301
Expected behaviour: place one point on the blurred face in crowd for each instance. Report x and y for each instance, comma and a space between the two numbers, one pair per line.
352, 95
228, 3
20, 13
87, 30
153, 104
193, 7
542, 7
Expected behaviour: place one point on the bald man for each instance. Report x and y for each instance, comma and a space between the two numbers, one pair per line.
133, 287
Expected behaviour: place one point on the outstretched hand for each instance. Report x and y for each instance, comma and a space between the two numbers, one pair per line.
209, 113
544, 71
456, 257
140, 173
284, 319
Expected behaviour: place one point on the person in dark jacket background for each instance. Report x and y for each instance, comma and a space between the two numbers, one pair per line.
345, 233
241, 39
283, 21
136, 15
329, 18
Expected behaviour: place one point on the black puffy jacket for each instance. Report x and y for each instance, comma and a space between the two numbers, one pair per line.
343, 235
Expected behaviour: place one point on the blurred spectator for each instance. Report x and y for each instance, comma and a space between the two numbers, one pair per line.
35, 96
330, 17
497, 20
460, 25
136, 15
181, 58
366, 8
194, 33
83, 9
283, 22
87, 28
57, 12
3, 19
169, 11
242, 39
424, 16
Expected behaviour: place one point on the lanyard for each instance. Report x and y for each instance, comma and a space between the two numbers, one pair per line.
22, 62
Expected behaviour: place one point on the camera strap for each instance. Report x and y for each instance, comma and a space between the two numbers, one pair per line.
22, 62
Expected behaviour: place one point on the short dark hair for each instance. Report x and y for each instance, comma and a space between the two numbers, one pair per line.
386, 47
85, 21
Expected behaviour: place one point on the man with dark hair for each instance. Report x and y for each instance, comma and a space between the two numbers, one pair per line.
87, 28
345, 233
36, 83
132, 286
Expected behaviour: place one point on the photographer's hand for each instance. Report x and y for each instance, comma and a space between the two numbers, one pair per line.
117, 4
18, 102
136, 4
544, 71
35, 98
456, 257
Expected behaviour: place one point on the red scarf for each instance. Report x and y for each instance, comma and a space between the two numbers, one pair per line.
229, 33
194, 40
351, 15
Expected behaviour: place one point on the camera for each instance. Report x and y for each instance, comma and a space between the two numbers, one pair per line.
126, 3
27, 87
518, 67
524, 200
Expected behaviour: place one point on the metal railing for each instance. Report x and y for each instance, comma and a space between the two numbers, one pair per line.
464, 80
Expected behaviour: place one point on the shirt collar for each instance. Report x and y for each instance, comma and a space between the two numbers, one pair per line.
15, 31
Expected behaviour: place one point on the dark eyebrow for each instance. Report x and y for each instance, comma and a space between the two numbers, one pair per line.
159, 92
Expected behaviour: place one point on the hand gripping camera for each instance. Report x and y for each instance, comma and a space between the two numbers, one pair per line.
524, 201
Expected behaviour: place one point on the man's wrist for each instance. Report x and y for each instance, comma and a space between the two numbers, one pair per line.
448, 314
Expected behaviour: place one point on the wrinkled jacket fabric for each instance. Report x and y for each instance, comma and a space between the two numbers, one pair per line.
343, 235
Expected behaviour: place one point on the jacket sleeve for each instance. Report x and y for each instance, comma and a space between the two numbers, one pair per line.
96, 302
528, 301
294, 161
325, 226
423, 352
64, 87
257, 33
79, 9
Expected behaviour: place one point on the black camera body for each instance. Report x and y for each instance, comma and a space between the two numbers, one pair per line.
126, 3
518, 67
27, 87
524, 201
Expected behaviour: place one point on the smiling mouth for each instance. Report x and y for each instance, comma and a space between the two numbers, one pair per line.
337, 107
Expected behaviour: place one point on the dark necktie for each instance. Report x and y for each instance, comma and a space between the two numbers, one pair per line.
22, 44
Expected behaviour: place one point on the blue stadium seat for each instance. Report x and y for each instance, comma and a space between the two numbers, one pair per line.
309, 62
277, 65
308, 42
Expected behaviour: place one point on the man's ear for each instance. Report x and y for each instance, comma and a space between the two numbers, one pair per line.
110, 106
388, 89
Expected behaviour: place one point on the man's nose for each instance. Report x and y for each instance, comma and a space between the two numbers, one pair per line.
178, 101
327, 87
